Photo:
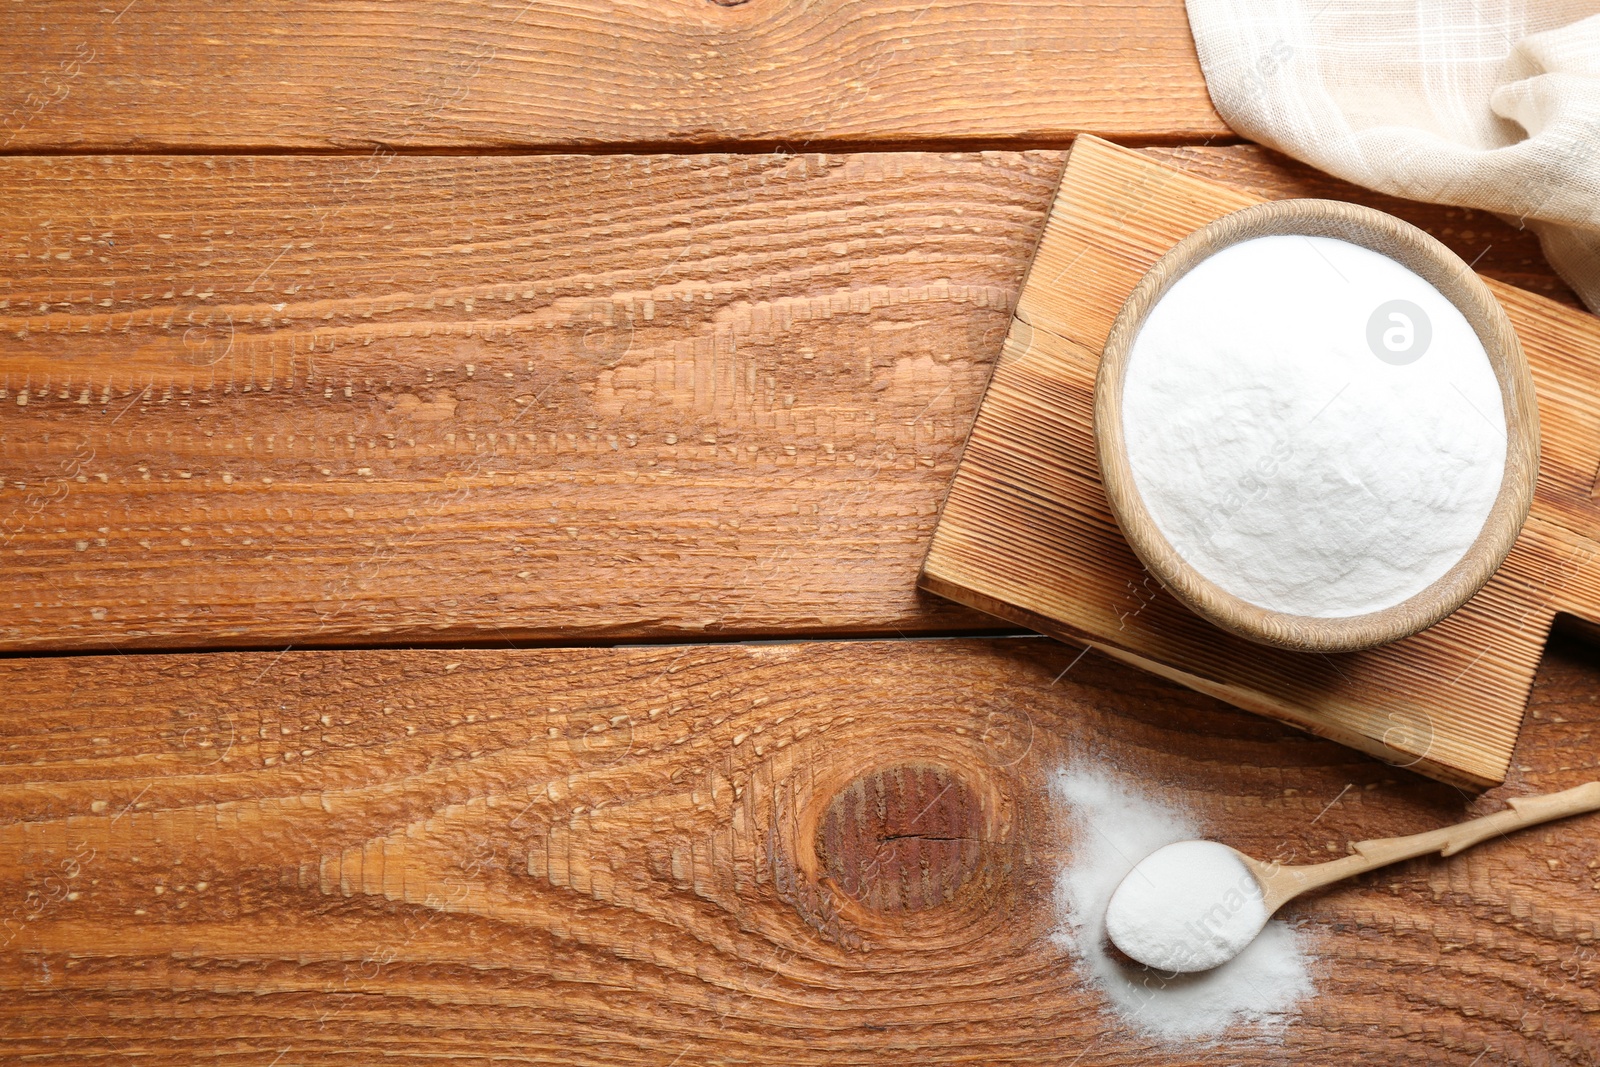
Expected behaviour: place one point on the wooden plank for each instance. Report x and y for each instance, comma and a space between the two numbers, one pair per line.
1027, 535
259, 400
830, 321
624, 854
158, 75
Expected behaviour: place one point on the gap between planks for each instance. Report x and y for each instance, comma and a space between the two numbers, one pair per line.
758, 147
998, 633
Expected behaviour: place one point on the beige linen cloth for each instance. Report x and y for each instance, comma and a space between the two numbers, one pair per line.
1492, 105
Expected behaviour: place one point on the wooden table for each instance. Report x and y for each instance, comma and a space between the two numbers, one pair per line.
465, 471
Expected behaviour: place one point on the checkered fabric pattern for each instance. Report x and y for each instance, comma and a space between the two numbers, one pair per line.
1493, 104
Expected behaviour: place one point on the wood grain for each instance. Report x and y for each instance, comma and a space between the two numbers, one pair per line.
1026, 532
234, 328
569, 397
627, 856
387, 399
352, 76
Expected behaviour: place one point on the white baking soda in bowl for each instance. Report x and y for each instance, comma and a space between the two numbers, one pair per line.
1312, 426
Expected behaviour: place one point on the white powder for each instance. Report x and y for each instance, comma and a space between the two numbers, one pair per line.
1296, 444
1188, 906
1112, 827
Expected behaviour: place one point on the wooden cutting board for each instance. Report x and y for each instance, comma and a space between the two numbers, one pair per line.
1026, 533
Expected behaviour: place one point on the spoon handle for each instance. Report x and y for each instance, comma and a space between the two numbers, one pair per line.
1448, 840
1289, 882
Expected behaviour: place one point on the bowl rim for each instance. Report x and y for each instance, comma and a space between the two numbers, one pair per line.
1456, 281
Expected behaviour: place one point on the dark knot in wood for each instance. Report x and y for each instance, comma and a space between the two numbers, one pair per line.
902, 838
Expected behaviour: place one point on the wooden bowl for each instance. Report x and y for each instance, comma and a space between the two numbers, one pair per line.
1440, 267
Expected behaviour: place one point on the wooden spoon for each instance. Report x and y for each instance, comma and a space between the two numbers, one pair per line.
1168, 914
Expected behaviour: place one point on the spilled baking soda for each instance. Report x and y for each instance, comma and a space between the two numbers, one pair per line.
1112, 826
